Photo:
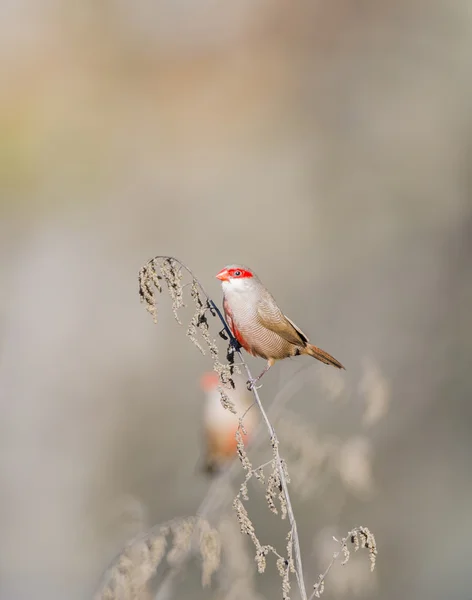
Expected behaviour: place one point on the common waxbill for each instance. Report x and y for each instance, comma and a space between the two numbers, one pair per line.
259, 325
220, 424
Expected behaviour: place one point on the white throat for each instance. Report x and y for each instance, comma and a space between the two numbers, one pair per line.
235, 285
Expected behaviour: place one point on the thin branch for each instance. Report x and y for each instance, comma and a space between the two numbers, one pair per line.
319, 585
283, 481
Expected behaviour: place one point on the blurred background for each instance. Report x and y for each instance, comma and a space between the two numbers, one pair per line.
325, 144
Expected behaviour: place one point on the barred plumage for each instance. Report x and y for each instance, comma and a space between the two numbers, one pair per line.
258, 323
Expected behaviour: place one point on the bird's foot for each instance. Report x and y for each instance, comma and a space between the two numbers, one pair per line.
251, 384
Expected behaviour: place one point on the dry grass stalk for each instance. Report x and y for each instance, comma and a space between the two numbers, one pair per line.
130, 572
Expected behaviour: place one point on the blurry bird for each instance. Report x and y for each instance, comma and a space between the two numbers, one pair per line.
220, 424
259, 325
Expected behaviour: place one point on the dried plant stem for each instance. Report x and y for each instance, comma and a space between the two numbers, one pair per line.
319, 585
273, 436
359, 537
283, 482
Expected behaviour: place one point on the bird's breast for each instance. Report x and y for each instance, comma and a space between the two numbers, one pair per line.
255, 338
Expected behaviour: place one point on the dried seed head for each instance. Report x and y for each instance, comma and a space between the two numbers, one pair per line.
245, 522
319, 587
283, 505
210, 550
182, 531
260, 559
290, 561
259, 474
243, 491
273, 488
346, 553
367, 540
148, 278
243, 457
172, 273
226, 401
129, 576
199, 321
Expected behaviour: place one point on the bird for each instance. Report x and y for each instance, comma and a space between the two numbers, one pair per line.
258, 324
220, 424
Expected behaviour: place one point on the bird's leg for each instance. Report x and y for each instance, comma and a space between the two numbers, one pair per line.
252, 382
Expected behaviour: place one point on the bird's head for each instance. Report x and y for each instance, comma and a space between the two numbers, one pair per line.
236, 277
209, 381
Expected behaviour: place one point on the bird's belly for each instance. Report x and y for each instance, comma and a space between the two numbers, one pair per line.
251, 334
263, 342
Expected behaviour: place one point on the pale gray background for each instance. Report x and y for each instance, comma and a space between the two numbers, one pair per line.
326, 144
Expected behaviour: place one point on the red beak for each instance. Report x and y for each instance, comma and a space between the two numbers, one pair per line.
223, 275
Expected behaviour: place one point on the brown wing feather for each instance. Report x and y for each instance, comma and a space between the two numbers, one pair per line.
271, 317
298, 330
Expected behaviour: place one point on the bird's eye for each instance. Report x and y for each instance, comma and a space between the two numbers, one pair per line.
237, 273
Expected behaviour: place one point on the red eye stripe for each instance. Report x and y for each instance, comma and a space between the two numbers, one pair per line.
243, 273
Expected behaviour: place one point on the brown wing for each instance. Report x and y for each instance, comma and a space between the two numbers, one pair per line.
271, 317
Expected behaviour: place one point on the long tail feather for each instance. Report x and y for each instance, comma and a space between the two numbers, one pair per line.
322, 356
